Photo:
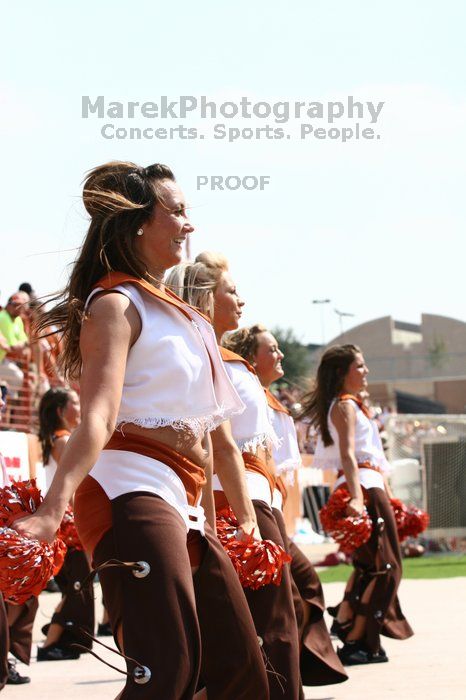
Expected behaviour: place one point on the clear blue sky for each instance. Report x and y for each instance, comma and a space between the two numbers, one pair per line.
376, 226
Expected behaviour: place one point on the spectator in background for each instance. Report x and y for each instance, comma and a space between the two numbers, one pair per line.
45, 351
27, 288
14, 343
59, 415
27, 315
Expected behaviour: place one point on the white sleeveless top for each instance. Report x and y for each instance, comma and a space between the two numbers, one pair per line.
251, 429
286, 456
174, 374
367, 447
49, 469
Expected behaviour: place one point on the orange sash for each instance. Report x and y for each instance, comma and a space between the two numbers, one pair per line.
61, 433
93, 512
112, 279
362, 406
252, 464
275, 403
362, 465
229, 356
191, 474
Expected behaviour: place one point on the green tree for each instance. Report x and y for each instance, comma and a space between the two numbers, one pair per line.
297, 361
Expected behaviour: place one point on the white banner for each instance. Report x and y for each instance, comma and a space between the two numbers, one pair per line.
14, 448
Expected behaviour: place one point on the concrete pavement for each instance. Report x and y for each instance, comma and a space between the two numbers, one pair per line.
430, 666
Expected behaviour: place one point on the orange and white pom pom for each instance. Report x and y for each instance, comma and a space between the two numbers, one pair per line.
257, 562
349, 531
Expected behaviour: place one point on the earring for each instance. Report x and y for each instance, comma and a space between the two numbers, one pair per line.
139, 232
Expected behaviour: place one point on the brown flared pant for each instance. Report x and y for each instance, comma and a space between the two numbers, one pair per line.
319, 662
21, 621
274, 616
77, 611
372, 588
167, 619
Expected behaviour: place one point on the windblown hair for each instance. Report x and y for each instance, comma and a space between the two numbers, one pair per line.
49, 420
196, 282
331, 373
119, 197
245, 341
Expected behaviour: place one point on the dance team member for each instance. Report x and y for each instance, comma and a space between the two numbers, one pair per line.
229, 465
271, 606
349, 442
320, 664
59, 415
149, 367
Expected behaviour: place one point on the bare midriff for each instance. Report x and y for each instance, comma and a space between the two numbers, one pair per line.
183, 441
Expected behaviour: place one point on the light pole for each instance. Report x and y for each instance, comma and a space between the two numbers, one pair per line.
322, 326
340, 315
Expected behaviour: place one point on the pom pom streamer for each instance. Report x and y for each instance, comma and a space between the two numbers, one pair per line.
257, 563
348, 531
67, 531
26, 565
17, 500
410, 520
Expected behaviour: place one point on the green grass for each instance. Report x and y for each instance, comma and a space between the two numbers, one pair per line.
435, 566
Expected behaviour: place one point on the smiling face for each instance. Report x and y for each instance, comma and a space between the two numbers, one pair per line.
227, 305
161, 245
356, 376
268, 359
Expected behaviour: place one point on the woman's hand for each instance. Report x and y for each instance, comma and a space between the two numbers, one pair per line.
247, 529
37, 527
355, 506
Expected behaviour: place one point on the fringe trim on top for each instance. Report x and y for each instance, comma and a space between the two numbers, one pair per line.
197, 426
288, 468
324, 462
266, 441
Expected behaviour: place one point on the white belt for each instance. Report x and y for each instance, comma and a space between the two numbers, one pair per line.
258, 486
122, 471
277, 500
196, 518
368, 478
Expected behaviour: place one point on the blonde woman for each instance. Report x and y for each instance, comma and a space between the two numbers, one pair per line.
208, 284
319, 663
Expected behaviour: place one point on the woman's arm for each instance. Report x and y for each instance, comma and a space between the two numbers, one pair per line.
106, 336
388, 488
344, 420
207, 493
229, 467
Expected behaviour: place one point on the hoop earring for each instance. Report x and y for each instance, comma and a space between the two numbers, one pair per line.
139, 232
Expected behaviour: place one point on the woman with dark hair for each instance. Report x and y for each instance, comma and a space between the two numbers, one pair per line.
152, 386
208, 285
318, 661
350, 443
59, 415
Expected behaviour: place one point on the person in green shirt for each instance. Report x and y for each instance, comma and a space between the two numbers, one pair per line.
14, 344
